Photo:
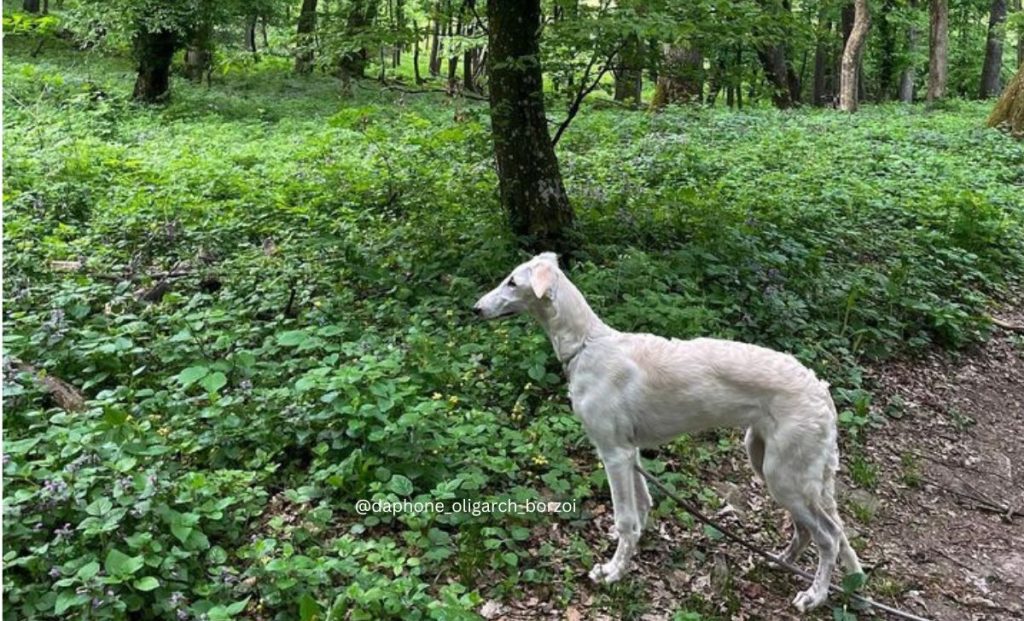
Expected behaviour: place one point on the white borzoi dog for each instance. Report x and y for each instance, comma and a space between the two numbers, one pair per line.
641, 390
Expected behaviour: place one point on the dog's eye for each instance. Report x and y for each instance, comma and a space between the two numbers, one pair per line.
512, 283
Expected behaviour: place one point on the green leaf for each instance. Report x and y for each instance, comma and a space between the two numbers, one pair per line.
309, 610
214, 381
292, 338
88, 570
400, 485
19, 447
146, 584
853, 582
120, 564
192, 375
100, 506
66, 600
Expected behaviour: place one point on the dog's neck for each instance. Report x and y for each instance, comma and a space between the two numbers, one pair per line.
569, 321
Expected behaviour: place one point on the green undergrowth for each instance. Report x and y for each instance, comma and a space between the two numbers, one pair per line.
315, 347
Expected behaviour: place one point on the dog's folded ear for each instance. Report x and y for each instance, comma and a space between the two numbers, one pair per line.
548, 256
542, 279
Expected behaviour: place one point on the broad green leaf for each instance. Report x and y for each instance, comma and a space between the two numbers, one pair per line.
146, 584
192, 375
400, 485
119, 564
214, 381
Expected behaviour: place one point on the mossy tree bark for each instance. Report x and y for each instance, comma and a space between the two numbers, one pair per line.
153, 52
529, 179
681, 79
1009, 109
306, 31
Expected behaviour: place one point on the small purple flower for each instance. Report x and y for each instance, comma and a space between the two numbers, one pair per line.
110, 592
97, 602
55, 572
7, 458
176, 598
182, 614
245, 385
137, 512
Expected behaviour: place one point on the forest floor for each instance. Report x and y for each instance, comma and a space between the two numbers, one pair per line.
941, 533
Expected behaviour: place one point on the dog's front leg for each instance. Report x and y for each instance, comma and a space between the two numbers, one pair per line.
618, 463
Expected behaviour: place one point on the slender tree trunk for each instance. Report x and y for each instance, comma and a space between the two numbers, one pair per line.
818, 92
681, 79
416, 51
529, 179
435, 47
993, 50
198, 54
938, 50
629, 74
467, 56
250, 36
906, 93
1020, 36
30, 6
453, 58
306, 37
851, 57
153, 52
887, 60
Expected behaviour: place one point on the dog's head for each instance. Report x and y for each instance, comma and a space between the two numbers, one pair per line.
526, 289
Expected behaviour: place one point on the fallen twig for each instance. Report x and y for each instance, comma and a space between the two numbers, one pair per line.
64, 394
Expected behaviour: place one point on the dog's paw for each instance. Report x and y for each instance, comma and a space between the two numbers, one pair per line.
606, 573
806, 600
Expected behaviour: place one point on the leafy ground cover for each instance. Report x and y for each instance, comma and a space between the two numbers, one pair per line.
262, 288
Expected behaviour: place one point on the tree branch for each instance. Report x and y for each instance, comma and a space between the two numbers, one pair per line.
584, 90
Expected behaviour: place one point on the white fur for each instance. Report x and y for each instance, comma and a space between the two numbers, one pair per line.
640, 390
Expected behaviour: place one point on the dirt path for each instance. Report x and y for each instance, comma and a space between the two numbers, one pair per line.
951, 471
934, 530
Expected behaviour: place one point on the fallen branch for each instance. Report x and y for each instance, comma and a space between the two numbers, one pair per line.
1006, 325
64, 394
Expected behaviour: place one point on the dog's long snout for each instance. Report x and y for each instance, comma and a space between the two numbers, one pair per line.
478, 310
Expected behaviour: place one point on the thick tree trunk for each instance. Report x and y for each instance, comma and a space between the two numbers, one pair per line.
907, 76
681, 79
306, 31
30, 6
993, 51
198, 55
938, 49
153, 52
773, 60
529, 179
629, 73
1010, 107
851, 57
360, 15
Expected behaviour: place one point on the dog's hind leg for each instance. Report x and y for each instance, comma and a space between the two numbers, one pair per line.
794, 478
755, 451
643, 495
797, 544
619, 464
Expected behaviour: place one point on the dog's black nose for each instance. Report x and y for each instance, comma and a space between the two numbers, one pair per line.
478, 311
